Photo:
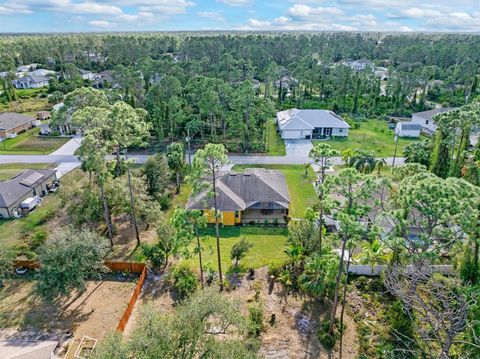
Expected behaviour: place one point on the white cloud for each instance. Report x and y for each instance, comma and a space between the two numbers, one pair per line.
281, 20
211, 15
236, 2
164, 7
11, 8
93, 8
301, 10
99, 23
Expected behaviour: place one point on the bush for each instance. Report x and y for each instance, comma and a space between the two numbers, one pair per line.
154, 254
183, 281
275, 269
255, 320
240, 250
328, 340
37, 238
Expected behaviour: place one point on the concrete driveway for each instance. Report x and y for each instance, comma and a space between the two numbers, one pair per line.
300, 148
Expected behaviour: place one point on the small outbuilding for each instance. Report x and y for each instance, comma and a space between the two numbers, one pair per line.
408, 129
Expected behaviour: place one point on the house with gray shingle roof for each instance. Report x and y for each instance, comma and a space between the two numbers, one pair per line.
27, 184
31, 82
12, 123
254, 196
308, 124
408, 129
426, 118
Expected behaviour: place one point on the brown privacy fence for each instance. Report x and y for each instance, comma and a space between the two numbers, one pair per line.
134, 268
131, 267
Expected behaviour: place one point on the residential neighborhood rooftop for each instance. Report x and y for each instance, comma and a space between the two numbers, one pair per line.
294, 119
20, 185
10, 120
430, 113
240, 190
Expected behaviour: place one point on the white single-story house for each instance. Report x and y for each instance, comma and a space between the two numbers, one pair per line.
86, 75
359, 65
31, 82
408, 129
308, 124
425, 119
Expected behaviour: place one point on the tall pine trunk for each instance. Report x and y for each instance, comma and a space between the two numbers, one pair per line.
199, 248
337, 287
217, 232
106, 213
132, 204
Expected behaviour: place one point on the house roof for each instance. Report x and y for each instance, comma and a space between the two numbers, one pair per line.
428, 115
41, 72
294, 119
408, 126
15, 188
27, 349
239, 191
32, 78
84, 72
10, 120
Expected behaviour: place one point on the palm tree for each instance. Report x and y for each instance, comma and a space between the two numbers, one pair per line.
363, 161
373, 253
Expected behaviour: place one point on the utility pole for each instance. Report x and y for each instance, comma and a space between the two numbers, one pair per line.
395, 138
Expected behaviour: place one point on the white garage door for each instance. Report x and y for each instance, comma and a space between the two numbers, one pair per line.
291, 134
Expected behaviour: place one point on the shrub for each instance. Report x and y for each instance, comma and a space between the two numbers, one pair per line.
183, 281
255, 320
275, 269
37, 238
276, 222
240, 250
328, 340
154, 254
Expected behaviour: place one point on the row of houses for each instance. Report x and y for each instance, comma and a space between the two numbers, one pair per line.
36, 78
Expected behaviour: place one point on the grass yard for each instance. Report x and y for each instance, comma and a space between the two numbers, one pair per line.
276, 146
268, 246
300, 188
10, 170
373, 135
28, 143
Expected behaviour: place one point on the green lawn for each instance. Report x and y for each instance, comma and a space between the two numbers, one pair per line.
268, 246
10, 170
276, 146
28, 143
300, 188
373, 135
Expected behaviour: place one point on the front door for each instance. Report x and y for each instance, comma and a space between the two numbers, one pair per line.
328, 132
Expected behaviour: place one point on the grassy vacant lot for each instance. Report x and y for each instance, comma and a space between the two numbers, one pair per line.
300, 188
268, 246
28, 143
29, 101
276, 146
10, 170
373, 135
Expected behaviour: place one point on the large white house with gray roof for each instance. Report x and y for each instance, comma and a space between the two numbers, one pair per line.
309, 124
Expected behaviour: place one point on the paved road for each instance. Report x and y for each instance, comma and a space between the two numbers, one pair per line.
296, 153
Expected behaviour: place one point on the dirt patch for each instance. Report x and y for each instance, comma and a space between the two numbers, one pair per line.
94, 313
292, 335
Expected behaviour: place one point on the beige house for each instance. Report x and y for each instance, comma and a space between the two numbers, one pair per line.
28, 184
11, 124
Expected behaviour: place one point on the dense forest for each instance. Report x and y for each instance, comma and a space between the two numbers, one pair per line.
224, 88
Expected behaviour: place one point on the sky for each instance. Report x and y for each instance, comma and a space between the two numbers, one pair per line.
200, 15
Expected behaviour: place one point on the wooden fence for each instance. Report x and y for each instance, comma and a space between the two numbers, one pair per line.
131, 267
133, 300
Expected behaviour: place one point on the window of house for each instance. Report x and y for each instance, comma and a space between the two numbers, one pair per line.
340, 130
237, 214
426, 122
